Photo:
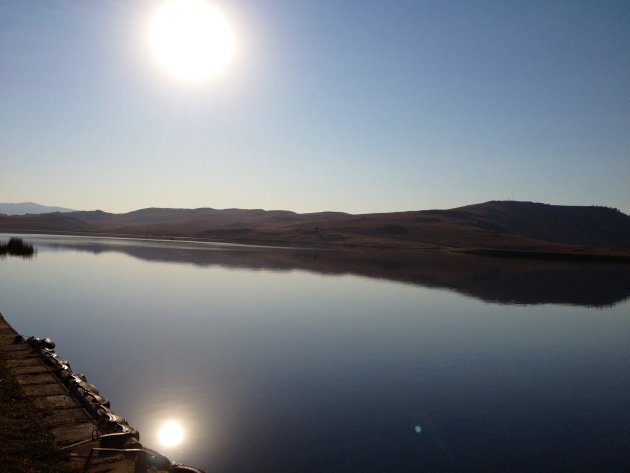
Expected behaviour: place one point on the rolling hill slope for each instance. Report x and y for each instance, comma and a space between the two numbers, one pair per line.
497, 225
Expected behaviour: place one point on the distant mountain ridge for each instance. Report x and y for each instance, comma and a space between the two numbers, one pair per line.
24, 208
496, 225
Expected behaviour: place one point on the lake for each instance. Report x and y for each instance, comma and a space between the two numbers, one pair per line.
287, 360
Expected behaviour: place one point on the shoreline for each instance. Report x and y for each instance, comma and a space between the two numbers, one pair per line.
549, 256
566, 253
78, 429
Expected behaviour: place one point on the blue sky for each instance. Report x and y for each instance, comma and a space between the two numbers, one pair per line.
357, 106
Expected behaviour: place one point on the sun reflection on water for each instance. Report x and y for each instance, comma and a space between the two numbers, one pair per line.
171, 434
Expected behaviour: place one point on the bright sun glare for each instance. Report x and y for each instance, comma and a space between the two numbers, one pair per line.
191, 39
171, 434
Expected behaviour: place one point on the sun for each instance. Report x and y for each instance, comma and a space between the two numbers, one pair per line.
191, 39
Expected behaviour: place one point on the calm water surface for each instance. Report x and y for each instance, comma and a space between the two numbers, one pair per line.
311, 361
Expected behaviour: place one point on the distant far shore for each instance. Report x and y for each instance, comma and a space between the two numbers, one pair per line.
551, 254
497, 228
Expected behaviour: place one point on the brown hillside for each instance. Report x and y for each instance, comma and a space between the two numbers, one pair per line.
503, 226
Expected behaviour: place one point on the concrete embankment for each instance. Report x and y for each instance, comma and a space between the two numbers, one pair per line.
74, 413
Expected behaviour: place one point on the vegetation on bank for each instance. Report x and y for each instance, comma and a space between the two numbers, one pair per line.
17, 247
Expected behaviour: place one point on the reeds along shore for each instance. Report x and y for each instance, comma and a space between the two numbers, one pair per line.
17, 247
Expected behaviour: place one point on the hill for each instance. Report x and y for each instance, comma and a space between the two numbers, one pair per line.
24, 208
498, 226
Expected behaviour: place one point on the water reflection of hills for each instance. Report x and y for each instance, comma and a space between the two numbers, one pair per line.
489, 279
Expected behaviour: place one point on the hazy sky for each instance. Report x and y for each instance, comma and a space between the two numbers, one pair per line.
352, 105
